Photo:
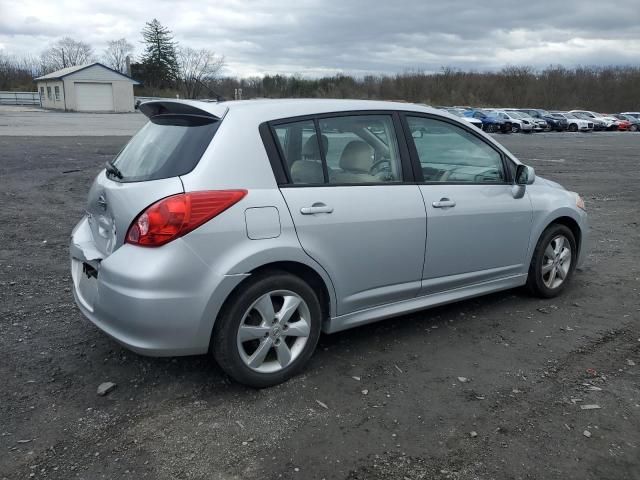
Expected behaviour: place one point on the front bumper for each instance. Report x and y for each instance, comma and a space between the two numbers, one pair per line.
154, 301
584, 240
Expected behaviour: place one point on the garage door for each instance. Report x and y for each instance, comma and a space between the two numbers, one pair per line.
94, 97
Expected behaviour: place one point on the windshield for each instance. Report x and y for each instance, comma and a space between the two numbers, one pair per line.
167, 146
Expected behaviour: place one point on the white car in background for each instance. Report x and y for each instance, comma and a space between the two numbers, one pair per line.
576, 124
633, 114
608, 123
519, 122
539, 124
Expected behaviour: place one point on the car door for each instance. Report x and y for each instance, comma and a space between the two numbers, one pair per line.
477, 228
352, 207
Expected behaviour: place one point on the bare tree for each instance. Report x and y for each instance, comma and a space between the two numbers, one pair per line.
115, 55
195, 67
66, 52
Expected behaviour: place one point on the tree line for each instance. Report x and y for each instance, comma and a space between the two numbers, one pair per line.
603, 89
167, 68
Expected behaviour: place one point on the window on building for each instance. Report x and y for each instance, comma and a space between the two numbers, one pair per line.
57, 92
41, 93
49, 93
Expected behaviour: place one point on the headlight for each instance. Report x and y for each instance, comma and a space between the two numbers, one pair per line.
580, 202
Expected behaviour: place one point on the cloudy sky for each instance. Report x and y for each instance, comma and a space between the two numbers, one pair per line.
317, 37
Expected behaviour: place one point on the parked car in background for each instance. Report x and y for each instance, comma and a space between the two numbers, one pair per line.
245, 229
459, 112
539, 124
556, 124
599, 124
633, 114
491, 123
518, 123
634, 122
575, 124
597, 118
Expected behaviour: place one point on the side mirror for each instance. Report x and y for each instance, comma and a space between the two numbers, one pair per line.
417, 134
525, 175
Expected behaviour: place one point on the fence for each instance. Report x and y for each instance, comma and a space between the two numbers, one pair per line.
19, 98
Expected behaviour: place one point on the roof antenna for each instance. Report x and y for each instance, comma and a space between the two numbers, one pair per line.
219, 98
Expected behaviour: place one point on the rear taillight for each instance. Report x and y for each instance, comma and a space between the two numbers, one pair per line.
175, 216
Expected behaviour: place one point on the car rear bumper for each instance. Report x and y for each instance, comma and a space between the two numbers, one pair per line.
154, 301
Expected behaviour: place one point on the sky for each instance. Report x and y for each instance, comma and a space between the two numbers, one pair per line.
314, 38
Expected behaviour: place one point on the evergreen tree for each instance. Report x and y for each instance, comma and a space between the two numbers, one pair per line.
159, 60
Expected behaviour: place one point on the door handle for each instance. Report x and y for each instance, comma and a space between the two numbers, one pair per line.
444, 203
316, 208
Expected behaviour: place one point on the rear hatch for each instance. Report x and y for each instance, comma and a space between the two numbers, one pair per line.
148, 168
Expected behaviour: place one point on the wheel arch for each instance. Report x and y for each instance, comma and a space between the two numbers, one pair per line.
572, 225
563, 216
306, 273
318, 280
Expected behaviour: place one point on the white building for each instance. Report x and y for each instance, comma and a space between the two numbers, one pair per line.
87, 88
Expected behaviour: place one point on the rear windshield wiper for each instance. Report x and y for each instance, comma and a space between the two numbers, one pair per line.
113, 170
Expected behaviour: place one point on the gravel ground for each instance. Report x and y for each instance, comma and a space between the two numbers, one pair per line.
490, 388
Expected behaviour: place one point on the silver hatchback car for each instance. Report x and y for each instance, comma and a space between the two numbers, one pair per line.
245, 229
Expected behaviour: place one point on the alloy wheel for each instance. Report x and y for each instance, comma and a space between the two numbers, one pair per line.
556, 262
274, 331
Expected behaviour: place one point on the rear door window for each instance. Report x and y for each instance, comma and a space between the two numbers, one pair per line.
300, 148
361, 149
340, 150
167, 146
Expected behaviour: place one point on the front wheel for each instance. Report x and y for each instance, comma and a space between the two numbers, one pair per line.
515, 129
268, 330
553, 262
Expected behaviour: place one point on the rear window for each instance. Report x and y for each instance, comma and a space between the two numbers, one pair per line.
167, 146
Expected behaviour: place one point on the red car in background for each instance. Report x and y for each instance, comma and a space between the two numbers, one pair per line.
634, 123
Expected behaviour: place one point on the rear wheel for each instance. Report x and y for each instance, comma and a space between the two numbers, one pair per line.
268, 330
553, 262
633, 128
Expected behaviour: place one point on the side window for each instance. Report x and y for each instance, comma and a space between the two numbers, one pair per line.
41, 93
361, 149
448, 153
299, 145
57, 91
49, 93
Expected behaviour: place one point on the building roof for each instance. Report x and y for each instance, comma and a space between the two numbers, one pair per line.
69, 70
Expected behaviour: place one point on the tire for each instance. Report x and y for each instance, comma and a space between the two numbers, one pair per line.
248, 308
633, 128
515, 129
547, 266
573, 127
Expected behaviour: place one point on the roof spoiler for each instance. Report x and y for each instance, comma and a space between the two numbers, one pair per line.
164, 107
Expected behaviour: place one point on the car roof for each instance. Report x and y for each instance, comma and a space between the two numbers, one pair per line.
264, 110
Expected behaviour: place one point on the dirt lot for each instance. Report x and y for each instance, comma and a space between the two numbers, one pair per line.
530, 364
